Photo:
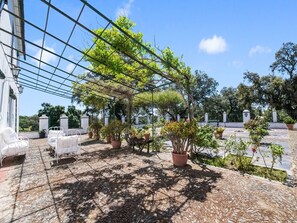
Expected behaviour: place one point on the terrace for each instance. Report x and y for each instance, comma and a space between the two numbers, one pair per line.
117, 185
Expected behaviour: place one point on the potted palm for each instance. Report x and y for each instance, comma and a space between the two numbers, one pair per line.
181, 135
105, 132
219, 132
96, 126
289, 121
116, 128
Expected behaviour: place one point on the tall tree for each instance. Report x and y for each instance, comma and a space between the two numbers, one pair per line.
52, 112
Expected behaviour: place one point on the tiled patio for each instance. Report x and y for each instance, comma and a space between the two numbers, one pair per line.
107, 185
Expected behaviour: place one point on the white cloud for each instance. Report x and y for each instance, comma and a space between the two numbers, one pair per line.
259, 50
47, 56
70, 67
125, 10
214, 45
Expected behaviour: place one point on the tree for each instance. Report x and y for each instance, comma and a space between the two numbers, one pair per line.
73, 115
52, 112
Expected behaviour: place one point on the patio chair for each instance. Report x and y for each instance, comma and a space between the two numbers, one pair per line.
67, 143
53, 133
11, 144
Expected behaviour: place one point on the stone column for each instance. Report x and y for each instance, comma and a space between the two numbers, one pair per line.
158, 118
106, 121
206, 118
224, 117
123, 119
178, 117
43, 122
167, 117
136, 120
84, 122
148, 120
64, 122
274, 116
246, 115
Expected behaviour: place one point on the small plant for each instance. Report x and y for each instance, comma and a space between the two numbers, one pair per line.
276, 152
204, 139
42, 133
219, 132
289, 120
115, 129
220, 129
258, 128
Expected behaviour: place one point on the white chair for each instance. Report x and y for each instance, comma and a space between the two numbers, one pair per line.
67, 143
11, 144
53, 133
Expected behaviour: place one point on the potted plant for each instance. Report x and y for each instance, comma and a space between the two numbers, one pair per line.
115, 128
258, 128
181, 135
96, 126
289, 121
90, 131
105, 132
42, 133
218, 133
146, 133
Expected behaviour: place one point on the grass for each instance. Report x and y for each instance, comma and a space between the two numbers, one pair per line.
232, 162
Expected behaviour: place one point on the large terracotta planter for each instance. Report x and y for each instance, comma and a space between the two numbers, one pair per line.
179, 159
116, 144
290, 126
108, 139
90, 134
218, 135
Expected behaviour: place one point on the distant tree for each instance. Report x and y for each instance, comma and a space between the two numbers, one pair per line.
73, 115
52, 112
30, 122
23, 122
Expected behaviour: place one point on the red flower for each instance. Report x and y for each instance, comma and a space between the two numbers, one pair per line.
254, 150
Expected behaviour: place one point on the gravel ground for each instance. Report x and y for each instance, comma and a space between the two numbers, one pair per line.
116, 185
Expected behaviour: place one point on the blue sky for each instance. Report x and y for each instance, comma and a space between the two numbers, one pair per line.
223, 38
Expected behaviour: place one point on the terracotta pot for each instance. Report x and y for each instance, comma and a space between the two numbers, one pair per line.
108, 139
218, 135
147, 136
90, 134
116, 144
290, 126
179, 159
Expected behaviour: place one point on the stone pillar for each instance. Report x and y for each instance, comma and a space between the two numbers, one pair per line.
224, 117
123, 119
206, 118
246, 115
158, 118
274, 116
178, 118
136, 120
64, 122
43, 122
84, 122
148, 120
167, 117
106, 121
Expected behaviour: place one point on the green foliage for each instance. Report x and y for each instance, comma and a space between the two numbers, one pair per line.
204, 139
158, 144
276, 152
258, 128
52, 112
74, 117
181, 135
289, 120
30, 123
115, 129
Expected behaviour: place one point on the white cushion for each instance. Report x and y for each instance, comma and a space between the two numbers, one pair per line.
67, 144
15, 148
9, 135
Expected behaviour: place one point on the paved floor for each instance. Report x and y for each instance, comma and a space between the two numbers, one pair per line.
108, 185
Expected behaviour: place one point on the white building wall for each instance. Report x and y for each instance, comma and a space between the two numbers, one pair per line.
8, 107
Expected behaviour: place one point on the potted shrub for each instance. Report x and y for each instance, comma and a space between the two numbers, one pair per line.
116, 128
181, 135
105, 132
96, 126
218, 133
258, 128
289, 121
146, 133
42, 133
90, 131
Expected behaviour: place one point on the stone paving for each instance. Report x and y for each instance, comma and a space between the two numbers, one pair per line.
107, 185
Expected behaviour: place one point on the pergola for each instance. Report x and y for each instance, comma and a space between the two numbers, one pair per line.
53, 70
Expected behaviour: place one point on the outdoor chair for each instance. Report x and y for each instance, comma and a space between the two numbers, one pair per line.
67, 143
53, 133
11, 144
